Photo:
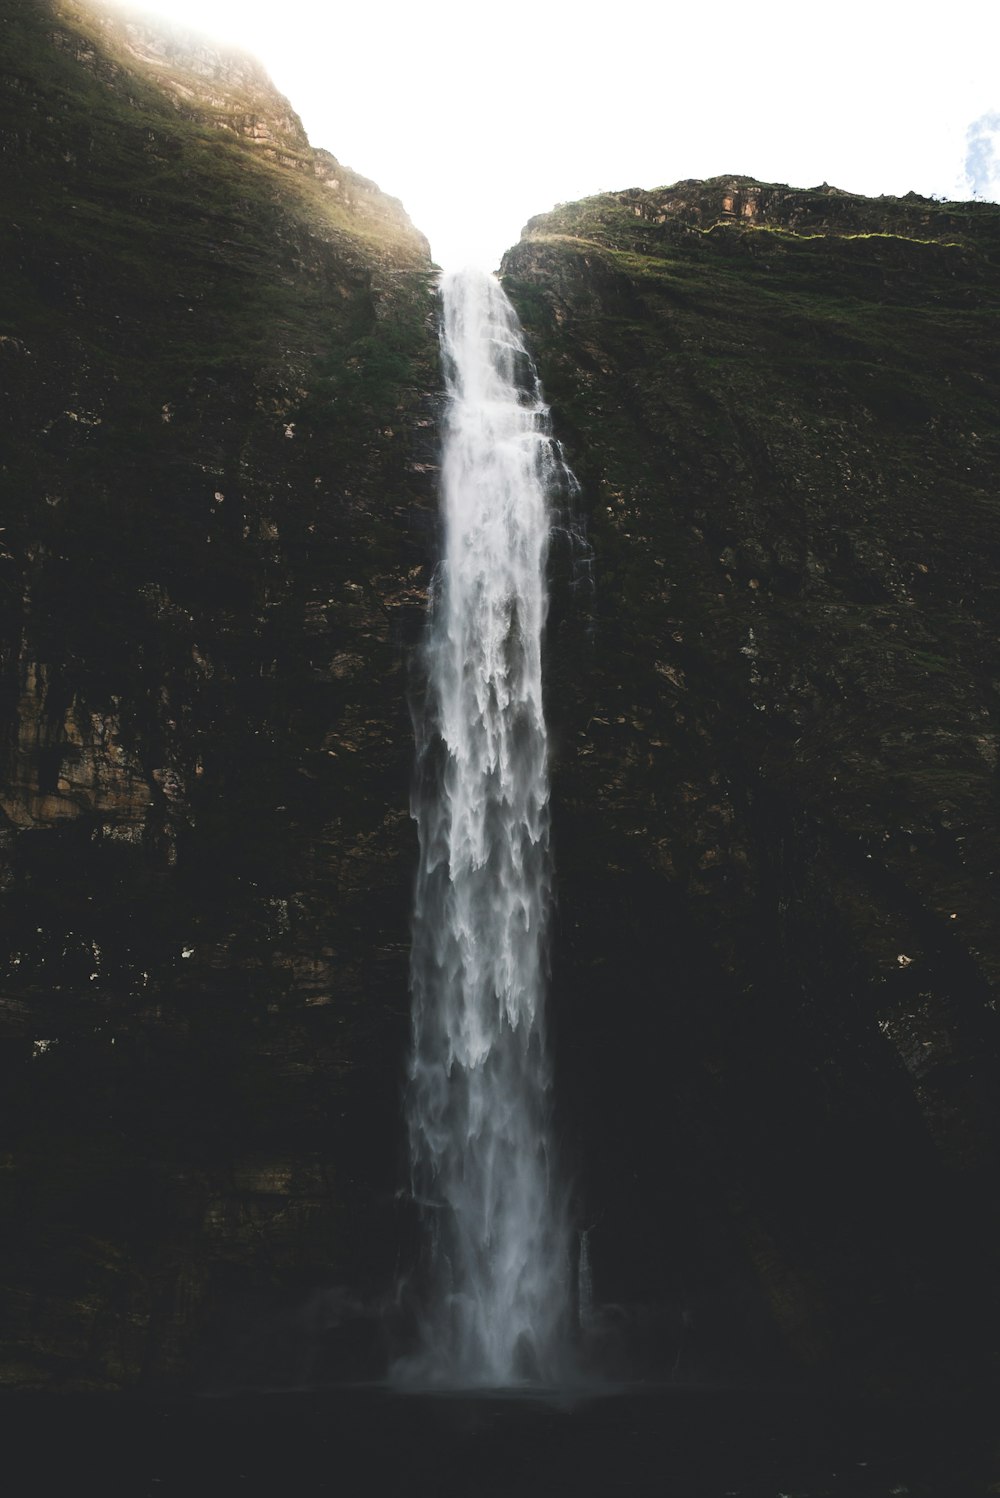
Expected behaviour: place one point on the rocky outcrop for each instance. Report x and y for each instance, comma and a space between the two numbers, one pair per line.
219, 361
777, 814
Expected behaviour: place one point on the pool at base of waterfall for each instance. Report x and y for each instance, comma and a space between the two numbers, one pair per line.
667, 1442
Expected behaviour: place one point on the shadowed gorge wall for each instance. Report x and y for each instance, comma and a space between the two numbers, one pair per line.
220, 371
774, 729
776, 796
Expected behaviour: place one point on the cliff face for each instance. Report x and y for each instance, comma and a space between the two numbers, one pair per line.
774, 720
776, 780
219, 357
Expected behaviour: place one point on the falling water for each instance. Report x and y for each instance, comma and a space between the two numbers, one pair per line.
585, 1283
482, 1159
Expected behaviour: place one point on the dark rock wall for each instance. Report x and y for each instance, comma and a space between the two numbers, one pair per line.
774, 719
776, 783
219, 361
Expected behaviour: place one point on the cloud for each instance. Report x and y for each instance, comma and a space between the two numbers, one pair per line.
982, 156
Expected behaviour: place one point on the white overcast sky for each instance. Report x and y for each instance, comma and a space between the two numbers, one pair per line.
479, 116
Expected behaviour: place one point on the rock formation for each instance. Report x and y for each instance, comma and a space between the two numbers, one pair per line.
220, 362
777, 818
772, 690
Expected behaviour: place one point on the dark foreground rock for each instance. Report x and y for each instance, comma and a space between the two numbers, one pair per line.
648, 1443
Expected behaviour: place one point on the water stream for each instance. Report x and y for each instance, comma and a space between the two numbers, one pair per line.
484, 1173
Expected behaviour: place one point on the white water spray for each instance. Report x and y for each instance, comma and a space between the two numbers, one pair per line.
478, 1105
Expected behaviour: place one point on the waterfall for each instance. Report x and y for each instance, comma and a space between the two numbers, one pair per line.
478, 1103
584, 1283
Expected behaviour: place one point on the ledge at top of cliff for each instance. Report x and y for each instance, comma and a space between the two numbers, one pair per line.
737, 203
166, 71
